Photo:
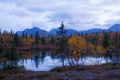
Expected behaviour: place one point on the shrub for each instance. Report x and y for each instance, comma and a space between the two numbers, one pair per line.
2, 76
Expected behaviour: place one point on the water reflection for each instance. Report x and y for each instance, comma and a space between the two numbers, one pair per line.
45, 61
39, 64
39, 58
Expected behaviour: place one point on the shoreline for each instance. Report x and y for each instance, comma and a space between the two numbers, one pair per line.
101, 72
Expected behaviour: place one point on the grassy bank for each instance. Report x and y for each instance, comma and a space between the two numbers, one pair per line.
80, 72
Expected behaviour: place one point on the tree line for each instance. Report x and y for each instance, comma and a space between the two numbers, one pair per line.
74, 46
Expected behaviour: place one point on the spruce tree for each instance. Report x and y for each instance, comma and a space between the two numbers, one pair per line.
37, 38
43, 42
106, 41
13, 52
16, 40
61, 42
52, 41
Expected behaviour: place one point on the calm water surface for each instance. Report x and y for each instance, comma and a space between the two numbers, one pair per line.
38, 63
45, 62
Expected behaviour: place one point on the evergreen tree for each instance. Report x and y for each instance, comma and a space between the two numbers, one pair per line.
37, 38
52, 40
106, 41
13, 53
16, 40
43, 42
11, 33
12, 56
61, 35
23, 34
31, 36
61, 42
61, 31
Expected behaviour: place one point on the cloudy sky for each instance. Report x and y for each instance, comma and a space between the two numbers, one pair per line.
47, 14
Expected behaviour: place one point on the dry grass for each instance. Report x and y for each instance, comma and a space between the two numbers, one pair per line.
81, 72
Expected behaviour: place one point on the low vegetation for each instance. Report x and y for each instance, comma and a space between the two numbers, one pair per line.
79, 72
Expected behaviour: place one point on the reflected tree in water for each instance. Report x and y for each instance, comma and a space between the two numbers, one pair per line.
61, 32
36, 59
12, 57
43, 55
39, 58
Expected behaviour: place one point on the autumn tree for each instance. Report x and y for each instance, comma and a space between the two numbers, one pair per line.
90, 49
77, 45
27, 41
116, 40
100, 50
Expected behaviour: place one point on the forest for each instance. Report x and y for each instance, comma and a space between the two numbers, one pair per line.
73, 47
76, 46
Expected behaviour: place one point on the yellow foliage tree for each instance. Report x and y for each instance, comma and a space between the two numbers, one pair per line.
77, 45
28, 41
90, 49
100, 51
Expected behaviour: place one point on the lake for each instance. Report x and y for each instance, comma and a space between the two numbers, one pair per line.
46, 62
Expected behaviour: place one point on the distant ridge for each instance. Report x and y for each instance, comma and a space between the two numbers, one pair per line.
32, 31
91, 31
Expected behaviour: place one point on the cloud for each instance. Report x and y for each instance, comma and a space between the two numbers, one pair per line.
19, 13
48, 14
35, 9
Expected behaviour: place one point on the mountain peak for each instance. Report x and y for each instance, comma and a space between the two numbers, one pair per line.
115, 27
33, 31
35, 28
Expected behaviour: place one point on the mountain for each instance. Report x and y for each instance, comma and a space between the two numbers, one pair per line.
53, 32
115, 27
71, 32
68, 33
91, 31
33, 32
